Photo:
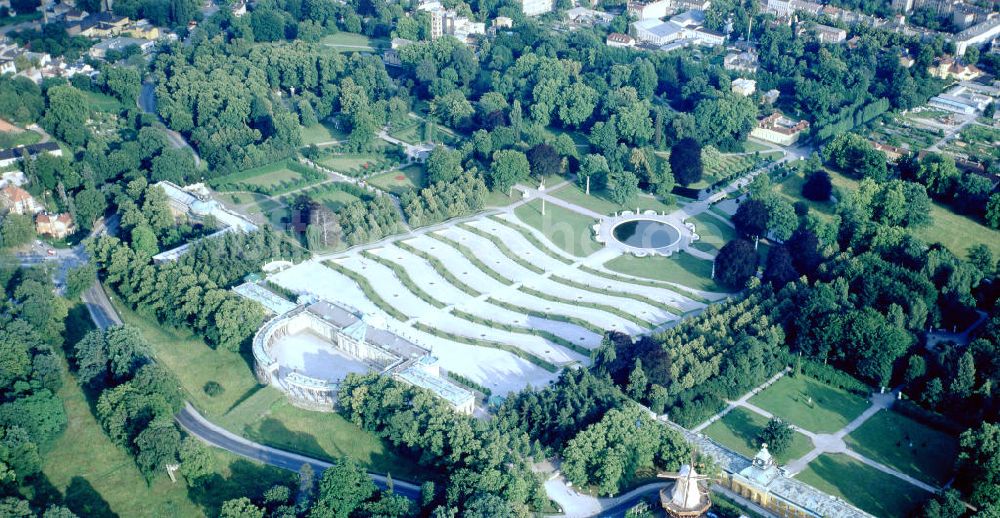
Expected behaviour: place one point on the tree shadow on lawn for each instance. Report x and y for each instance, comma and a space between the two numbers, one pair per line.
744, 428
245, 478
84, 500
273, 432
245, 396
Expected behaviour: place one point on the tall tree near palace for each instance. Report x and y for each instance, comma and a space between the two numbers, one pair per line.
685, 161
736, 263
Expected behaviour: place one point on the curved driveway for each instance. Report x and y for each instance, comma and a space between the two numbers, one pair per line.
198, 426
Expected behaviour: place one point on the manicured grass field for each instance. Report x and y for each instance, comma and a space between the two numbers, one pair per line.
499, 199
955, 231
397, 182
713, 232
750, 146
350, 42
412, 134
262, 209
351, 165
97, 478
791, 189
274, 178
260, 413
907, 445
681, 268
273, 174
102, 103
334, 199
878, 493
810, 404
738, 431
267, 417
599, 202
568, 230
322, 132
958, 232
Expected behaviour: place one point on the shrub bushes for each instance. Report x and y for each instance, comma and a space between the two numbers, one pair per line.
212, 388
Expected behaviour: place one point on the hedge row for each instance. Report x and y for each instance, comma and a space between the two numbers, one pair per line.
487, 343
440, 268
405, 279
471, 256
369, 292
503, 248
533, 240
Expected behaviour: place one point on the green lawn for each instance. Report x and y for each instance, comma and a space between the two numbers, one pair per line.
259, 207
98, 479
958, 232
397, 182
681, 268
102, 103
712, 232
322, 132
412, 134
349, 42
334, 199
599, 202
276, 177
267, 417
750, 146
738, 431
568, 230
810, 404
878, 493
19, 138
351, 165
791, 189
955, 231
260, 413
272, 175
911, 447
499, 199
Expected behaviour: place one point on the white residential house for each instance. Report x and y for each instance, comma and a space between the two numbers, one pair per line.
651, 10
786, 8
536, 7
741, 62
617, 39
584, 16
828, 34
744, 87
118, 43
19, 201
445, 22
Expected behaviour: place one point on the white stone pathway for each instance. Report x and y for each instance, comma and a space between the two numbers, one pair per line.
823, 443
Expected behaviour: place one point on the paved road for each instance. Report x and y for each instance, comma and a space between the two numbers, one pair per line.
147, 103
101, 311
198, 426
104, 316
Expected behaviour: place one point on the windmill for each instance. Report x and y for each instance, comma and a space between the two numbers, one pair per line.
687, 498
